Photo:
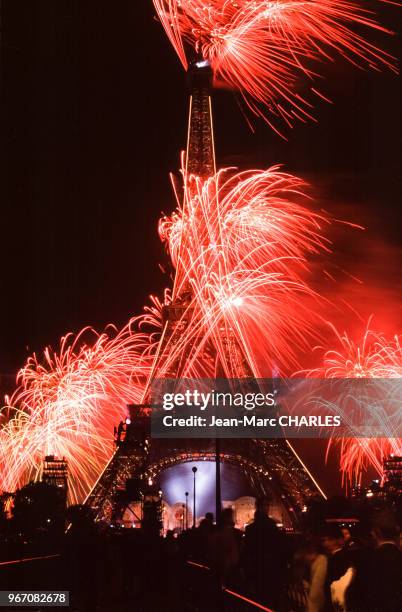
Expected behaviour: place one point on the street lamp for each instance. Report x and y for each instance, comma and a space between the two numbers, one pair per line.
186, 509
218, 491
194, 472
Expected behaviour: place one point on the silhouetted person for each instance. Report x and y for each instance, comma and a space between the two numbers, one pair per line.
387, 591
333, 544
206, 526
353, 540
265, 553
317, 564
201, 537
82, 556
224, 548
223, 556
339, 558
173, 568
378, 582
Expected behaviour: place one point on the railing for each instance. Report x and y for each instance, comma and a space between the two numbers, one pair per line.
26, 559
229, 592
251, 602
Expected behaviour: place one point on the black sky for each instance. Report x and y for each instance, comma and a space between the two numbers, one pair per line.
94, 117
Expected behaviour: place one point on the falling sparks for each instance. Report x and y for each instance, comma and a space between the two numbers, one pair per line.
67, 403
265, 49
374, 357
240, 244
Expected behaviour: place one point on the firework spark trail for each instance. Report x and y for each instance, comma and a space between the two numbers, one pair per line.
374, 357
239, 243
262, 48
68, 403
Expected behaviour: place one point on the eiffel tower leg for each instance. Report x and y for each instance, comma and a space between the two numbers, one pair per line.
128, 461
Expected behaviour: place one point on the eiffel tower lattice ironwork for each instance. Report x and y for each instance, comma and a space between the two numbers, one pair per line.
273, 466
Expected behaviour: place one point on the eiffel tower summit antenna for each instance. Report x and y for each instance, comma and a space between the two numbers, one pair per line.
200, 151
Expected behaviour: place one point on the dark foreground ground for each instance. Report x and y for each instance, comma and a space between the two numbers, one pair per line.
136, 588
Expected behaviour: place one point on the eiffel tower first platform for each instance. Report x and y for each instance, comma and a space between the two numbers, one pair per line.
273, 468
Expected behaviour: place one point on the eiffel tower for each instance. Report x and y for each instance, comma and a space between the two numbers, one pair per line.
272, 466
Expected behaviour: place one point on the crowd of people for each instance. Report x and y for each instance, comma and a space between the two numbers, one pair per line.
331, 564
326, 567
336, 569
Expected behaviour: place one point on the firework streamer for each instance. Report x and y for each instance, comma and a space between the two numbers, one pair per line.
265, 49
67, 403
240, 244
378, 358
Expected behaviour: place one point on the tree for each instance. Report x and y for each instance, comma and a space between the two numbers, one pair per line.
38, 507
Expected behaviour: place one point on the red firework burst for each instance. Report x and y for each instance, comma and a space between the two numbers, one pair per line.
67, 403
263, 48
240, 244
378, 357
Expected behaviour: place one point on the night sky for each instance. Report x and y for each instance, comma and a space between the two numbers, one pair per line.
95, 109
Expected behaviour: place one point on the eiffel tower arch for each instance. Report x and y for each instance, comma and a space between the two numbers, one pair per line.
272, 466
